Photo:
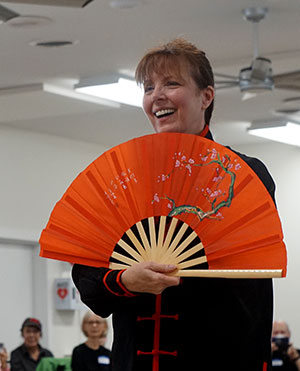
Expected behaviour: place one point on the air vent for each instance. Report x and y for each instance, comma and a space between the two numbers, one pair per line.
53, 44
28, 21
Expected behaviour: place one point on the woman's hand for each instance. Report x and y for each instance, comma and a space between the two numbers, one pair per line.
149, 277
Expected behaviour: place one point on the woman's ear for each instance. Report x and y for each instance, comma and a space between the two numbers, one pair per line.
208, 95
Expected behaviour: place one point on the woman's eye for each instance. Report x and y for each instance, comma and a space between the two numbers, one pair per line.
172, 83
148, 88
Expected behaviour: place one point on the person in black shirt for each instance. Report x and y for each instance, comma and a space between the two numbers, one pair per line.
27, 356
91, 355
285, 357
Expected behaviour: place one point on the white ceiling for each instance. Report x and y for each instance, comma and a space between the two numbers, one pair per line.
108, 40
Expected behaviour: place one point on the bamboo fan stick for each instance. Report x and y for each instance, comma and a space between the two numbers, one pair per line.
230, 273
192, 262
144, 239
130, 250
188, 253
161, 235
136, 243
169, 235
118, 266
123, 258
185, 243
175, 242
152, 233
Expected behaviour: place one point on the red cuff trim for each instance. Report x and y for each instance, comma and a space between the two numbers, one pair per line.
123, 290
119, 282
106, 285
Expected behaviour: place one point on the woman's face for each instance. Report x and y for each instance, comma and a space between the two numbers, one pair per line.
31, 336
94, 326
174, 103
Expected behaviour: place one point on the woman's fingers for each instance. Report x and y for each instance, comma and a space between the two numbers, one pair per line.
149, 277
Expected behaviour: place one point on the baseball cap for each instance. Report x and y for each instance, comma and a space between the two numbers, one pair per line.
32, 322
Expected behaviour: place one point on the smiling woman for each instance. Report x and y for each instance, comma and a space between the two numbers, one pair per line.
156, 315
27, 356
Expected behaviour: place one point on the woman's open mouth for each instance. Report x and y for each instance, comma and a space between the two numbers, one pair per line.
164, 112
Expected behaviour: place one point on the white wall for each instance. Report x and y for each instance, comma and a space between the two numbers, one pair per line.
35, 171
283, 163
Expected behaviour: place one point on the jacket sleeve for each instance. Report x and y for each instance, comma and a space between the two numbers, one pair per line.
100, 289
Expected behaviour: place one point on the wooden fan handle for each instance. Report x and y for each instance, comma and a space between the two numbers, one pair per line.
229, 273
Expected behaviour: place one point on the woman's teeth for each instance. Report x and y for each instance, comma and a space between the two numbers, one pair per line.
164, 112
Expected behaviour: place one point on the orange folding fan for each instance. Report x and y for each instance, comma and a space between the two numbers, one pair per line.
171, 198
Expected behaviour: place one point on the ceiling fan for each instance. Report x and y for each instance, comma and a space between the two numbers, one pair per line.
6, 14
259, 75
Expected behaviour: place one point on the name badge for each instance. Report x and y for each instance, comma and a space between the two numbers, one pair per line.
103, 360
277, 362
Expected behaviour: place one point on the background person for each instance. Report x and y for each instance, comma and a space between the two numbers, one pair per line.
161, 322
91, 355
27, 356
285, 357
3, 358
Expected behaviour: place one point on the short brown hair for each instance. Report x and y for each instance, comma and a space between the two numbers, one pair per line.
174, 55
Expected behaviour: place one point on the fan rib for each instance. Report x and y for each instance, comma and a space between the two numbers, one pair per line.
144, 239
123, 258
192, 262
130, 250
162, 229
136, 243
169, 235
118, 266
230, 273
175, 242
188, 253
184, 244
152, 233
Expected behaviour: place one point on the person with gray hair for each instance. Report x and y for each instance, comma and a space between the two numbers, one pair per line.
92, 355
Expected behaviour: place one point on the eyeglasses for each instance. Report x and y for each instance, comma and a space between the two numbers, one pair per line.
94, 323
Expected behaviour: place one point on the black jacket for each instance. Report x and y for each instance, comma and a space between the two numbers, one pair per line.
205, 323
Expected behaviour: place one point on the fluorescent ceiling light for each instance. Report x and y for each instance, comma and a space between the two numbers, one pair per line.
285, 132
124, 91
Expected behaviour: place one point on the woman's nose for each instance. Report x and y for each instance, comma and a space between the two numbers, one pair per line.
158, 93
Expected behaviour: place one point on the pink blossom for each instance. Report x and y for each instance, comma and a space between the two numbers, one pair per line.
189, 168
156, 198
177, 163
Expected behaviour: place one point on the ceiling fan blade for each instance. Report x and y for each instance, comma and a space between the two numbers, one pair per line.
226, 85
288, 80
226, 76
7, 14
70, 3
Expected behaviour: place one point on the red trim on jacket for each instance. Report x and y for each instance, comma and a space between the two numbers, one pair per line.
117, 280
157, 316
